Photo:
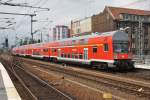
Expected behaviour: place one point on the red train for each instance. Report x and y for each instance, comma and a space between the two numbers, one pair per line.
109, 49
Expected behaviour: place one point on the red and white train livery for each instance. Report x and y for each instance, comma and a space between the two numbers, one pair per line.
109, 49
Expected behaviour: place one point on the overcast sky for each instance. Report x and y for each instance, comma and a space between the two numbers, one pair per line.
61, 13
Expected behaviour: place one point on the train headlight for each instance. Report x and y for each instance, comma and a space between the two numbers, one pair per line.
122, 56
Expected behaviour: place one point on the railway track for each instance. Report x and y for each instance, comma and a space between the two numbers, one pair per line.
134, 87
39, 89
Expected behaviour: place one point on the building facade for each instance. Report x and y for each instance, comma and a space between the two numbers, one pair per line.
60, 32
81, 27
138, 21
114, 18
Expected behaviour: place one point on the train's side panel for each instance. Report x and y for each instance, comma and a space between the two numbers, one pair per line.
99, 44
37, 52
29, 50
74, 52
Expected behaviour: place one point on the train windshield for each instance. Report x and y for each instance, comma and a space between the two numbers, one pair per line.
121, 47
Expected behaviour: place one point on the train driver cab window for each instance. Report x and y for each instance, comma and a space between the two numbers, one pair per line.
95, 49
106, 48
121, 46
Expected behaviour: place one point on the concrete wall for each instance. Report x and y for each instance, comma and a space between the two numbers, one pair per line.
86, 25
60, 32
81, 26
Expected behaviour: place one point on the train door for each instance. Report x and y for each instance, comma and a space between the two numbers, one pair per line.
85, 53
59, 52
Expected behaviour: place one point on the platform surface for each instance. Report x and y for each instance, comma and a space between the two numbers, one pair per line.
142, 66
7, 89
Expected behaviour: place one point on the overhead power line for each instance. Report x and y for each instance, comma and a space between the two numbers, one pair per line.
134, 3
5, 28
31, 15
6, 18
21, 21
9, 0
22, 5
18, 14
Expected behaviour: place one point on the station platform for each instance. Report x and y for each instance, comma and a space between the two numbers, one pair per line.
7, 88
142, 66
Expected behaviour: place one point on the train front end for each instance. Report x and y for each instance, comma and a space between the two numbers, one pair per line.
121, 51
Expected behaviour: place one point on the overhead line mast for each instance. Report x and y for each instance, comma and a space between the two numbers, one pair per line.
31, 15
140, 33
22, 5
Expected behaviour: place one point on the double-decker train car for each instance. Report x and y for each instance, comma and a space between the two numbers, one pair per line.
103, 50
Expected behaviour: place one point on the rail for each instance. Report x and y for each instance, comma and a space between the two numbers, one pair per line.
40, 80
20, 80
115, 81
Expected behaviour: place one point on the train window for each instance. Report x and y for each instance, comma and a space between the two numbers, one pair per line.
65, 55
45, 50
106, 47
68, 55
95, 49
73, 42
36, 53
82, 41
62, 55
69, 43
80, 56
52, 49
76, 56
72, 55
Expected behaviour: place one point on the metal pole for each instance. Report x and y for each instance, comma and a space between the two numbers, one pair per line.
141, 39
32, 27
41, 37
48, 37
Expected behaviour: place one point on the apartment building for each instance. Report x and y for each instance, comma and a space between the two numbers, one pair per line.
60, 32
